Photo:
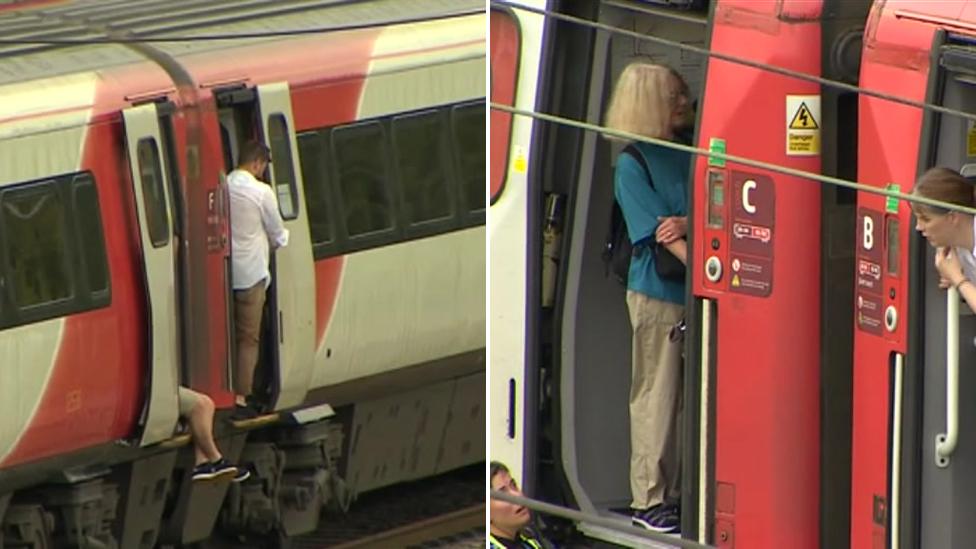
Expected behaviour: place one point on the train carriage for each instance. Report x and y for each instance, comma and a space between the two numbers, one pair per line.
116, 276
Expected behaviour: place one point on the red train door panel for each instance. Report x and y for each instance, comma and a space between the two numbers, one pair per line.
150, 186
294, 269
894, 61
756, 274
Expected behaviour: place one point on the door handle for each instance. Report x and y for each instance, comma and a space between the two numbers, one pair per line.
945, 443
894, 505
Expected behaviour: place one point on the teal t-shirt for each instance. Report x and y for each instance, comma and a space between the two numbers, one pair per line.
641, 207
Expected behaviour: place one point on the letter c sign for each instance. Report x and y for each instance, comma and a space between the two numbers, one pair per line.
747, 187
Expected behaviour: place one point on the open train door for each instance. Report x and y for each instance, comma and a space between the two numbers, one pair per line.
293, 269
939, 370
150, 186
913, 462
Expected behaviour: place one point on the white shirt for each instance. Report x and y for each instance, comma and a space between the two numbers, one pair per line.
967, 258
254, 221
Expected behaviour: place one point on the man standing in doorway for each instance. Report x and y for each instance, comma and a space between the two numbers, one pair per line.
256, 225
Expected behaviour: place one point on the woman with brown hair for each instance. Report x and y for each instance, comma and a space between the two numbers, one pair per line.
652, 100
952, 233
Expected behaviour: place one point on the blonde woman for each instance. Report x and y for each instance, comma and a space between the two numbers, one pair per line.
652, 100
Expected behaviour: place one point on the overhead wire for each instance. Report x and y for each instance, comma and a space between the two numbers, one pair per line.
739, 60
737, 159
135, 38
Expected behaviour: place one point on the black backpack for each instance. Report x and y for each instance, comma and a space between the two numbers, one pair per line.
617, 248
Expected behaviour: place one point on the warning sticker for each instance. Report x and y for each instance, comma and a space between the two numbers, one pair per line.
971, 139
520, 164
752, 228
752, 275
803, 119
802, 125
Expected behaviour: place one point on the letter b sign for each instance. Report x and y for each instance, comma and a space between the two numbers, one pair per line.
867, 232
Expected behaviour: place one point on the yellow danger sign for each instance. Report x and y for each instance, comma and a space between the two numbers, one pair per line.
802, 125
971, 140
803, 119
735, 281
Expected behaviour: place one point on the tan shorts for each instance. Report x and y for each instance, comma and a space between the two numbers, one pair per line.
188, 399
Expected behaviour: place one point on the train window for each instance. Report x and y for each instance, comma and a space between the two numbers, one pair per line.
506, 44
420, 149
90, 233
37, 248
281, 164
153, 197
312, 153
469, 139
359, 153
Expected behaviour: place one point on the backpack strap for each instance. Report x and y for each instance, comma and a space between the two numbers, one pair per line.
632, 151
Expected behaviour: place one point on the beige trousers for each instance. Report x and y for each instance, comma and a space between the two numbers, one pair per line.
655, 399
248, 308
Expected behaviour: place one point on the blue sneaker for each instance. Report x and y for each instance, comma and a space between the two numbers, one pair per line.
213, 469
664, 518
243, 473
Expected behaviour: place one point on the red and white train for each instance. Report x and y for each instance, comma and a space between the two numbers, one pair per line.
115, 279
822, 407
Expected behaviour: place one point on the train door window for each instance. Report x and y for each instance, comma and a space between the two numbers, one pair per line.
359, 154
894, 245
422, 156
312, 153
228, 138
37, 250
469, 142
154, 201
281, 164
506, 44
90, 234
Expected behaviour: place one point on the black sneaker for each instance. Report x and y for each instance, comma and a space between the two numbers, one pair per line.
244, 412
213, 469
664, 518
243, 473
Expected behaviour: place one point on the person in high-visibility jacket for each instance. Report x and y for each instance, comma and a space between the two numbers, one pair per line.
509, 522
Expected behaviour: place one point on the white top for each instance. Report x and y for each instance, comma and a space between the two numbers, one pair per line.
254, 221
967, 258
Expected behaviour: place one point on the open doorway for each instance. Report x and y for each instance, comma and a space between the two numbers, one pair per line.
239, 120
595, 361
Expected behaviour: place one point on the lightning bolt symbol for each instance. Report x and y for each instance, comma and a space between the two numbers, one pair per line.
803, 116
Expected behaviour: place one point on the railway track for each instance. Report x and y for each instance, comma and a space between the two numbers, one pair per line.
444, 511
466, 523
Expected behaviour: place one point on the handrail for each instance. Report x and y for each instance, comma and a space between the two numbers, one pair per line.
894, 507
703, 430
577, 516
945, 443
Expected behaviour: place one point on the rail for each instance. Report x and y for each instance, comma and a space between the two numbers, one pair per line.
424, 530
578, 516
738, 60
945, 443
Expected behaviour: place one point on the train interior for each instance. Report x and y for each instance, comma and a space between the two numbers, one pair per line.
594, 383
238, 117
947, 493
